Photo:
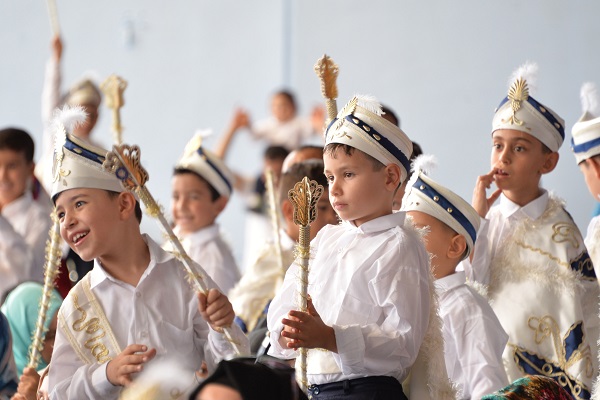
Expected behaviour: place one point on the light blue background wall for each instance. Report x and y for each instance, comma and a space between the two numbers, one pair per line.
442, 66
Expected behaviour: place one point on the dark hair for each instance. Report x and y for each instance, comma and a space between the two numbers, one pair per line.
288, 95
417, 151
332, 148
276, 153
310, 147
138, 209
313, 169
389, 115
214, 194
17, 140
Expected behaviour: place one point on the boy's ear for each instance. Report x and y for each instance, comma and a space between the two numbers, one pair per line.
594, 164
126, 205
550, 162
457, 247
393, 176
221, 203
287, 210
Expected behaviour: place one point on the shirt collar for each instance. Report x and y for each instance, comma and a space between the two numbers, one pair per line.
202, 235
450, 282
534, 209
157, 256
18, 206
379, 224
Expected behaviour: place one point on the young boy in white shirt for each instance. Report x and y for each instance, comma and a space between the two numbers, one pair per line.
135, 305
530, 253
473, 337
201, 187
24, 223
369, 277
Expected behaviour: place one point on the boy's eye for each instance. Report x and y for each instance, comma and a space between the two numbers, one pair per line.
79, 204
519, 149
496, 146
329, 178
60, 215
348, 174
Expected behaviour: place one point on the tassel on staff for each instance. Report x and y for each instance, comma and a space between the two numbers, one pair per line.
304, 196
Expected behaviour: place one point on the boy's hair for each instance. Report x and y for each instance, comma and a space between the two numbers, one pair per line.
313, 169
332, 148
17, 140
138, 209
392, 117
288, 95
214, 194
276, 153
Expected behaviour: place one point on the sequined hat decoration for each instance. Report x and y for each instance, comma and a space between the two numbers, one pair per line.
208, 165
427, 196
77, 164
520, 111
360, 125
585, 141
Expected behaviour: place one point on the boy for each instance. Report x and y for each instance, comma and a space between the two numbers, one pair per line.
541, 283
24, 223
257, 287
135, 304
474, 339
202, 185
369, 278
586, 147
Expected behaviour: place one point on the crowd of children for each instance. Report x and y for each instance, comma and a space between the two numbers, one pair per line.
412, 292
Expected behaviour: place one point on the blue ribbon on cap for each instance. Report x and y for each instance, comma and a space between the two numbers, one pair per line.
544, 111
585, 146
77, 149
214, 167
436, 196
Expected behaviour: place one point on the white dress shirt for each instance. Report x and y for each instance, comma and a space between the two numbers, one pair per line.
161, 313
473, 338
207, 247
371, 284
592, 242
290, 134
24, 227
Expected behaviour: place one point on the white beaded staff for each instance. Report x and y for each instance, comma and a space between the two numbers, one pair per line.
304, 196
53, 16
53, 257
124, 162
274, 216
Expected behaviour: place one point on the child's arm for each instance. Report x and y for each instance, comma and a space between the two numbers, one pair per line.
16, 258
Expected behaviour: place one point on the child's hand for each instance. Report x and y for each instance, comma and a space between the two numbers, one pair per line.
57, 48
240, 120
28, 384
481, 203
119, 369
216, 309
308, 330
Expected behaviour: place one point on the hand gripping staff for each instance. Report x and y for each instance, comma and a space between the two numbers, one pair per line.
124, 162
304, 196
53, 256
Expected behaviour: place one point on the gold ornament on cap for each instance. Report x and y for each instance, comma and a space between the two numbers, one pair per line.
518, 93
113, 88
327, 71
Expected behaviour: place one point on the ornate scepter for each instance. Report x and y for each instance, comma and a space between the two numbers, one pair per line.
53, 256
53, 15
274, 216
124, 162
113, 88
327, 71
304, 196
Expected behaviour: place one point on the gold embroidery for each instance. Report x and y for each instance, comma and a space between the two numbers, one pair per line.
565, 232
93, 325
517, 93
542, 252
582, 263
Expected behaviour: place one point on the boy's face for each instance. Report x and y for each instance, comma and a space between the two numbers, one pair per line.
590, 169
88, 220
356, 191
437, 241
192, 205
282, 109
518, 161
325, 215
15, 173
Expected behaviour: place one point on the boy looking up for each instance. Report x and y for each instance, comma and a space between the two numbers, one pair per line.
135, 305
541, 283
369, 277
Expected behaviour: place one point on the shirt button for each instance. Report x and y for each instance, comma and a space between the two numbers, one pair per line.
138, 294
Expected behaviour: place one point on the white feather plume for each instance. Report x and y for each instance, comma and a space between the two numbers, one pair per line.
65, 120
528, 72
424, 163
369, 102
590, 101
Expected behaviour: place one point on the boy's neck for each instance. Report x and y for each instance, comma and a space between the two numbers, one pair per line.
440, 272
522, 198
130, 261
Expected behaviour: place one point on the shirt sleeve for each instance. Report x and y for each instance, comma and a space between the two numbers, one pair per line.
16, 256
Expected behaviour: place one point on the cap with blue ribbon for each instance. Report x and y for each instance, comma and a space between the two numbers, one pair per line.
426, 195
519, 111
360, 125
585, 142
77, 164
207, 165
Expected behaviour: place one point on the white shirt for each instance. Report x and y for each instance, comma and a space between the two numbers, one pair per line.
473, 338
161, 312
592, 242
207, 247
371, 284
24, 227
290, 134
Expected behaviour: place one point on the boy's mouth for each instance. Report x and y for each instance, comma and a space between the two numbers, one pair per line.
501, 172
78, 237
